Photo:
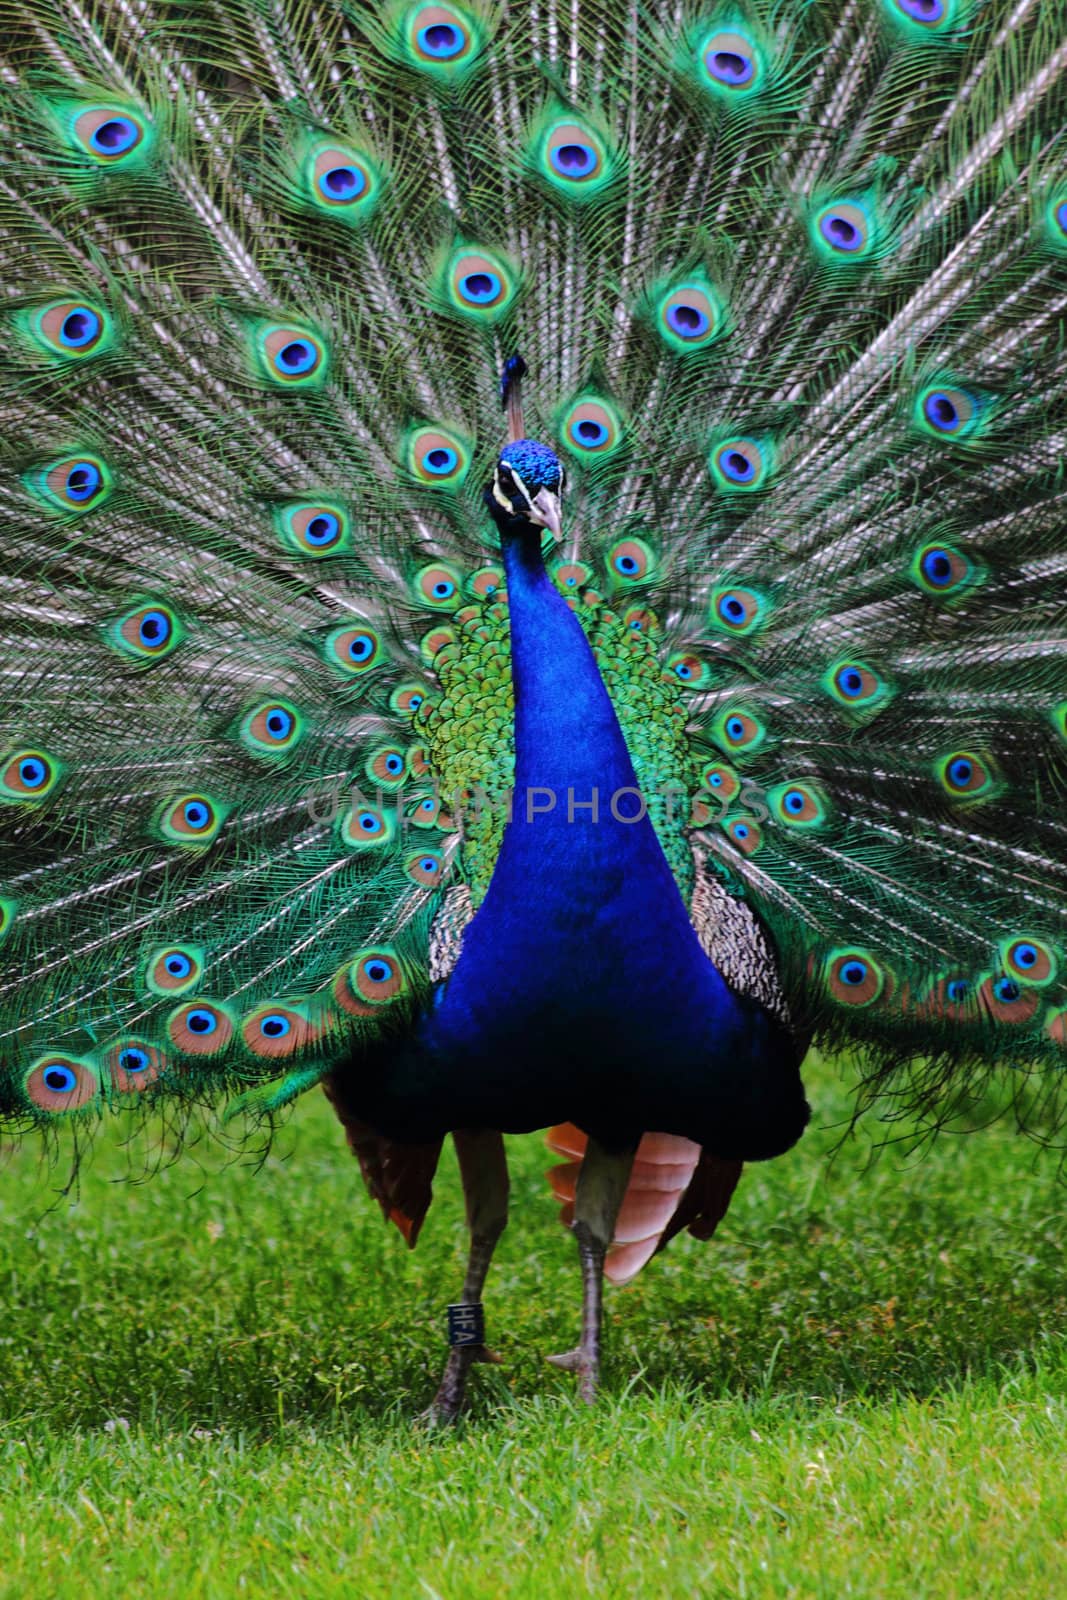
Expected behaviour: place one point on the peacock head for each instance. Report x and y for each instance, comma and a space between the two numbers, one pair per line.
526, 488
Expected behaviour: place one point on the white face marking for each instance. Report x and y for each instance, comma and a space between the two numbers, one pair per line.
498, 494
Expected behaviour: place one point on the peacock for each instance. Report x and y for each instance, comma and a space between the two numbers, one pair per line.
533, 581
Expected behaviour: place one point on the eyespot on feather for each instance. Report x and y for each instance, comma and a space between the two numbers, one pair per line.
174, 969
855, 978
408, 699
486, 582
289, 355
386, 766
948, 413
590, 428
365, 827
857, 688
271, 730
438, 586
426, 812
70, 329
133, 1064
437, 457
426, 868
630, 561
27, 776
148, 631
722, 781
741, 464
738, 731
966, 776
574, 158
73, 483
441, 39
689, 669
8, 913
59, 1083
1029, 960
844, 232
572, 576
690, 317
110, 135
374, 979
479, 284
314, 528
952, 998
342, 182
743, 832
924, 20
798, 805
1005, 999
192, 820
737, 611
275, 1030
731, 64
200, 1028
941, 570
356, 648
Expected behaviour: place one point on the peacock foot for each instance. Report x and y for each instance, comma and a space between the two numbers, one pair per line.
448, 1402
586, 1363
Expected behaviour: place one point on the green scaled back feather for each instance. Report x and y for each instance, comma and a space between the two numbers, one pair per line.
790, 280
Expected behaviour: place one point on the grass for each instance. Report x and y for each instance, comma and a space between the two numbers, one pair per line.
207, 1385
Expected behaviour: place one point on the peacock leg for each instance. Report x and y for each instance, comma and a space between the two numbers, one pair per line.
484, 1169
599, 1195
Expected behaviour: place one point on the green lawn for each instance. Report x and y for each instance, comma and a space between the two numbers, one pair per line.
208, 1382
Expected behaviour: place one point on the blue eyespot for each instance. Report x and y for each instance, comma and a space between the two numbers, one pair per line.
588, 432
115, 136
573, 160
441, 40
741, 830
688, 321
684, 671
33, 772
342, 183
928, 11
80, 327
275, 1026
377, 969
429, 864
322, 529
279, 723
850, 682
937, 568
737, 467
793, 801
197, 815
957, 990
941, 412
440, 461
394, 764
414, 702
361, 646
960, 772
443, 589
853, 973
155, 629
1006, 990
296, 357
840, 232
731, 609
60, 1079
735, 728
202, 1022
1061, 215
1024, 955
729, 67
134, 1060
480, 288
627, 564
178, 965
369, 821
82, 482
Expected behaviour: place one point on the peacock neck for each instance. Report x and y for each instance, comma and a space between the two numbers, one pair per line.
567, 736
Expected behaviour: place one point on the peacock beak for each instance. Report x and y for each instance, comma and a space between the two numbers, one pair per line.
546, 504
